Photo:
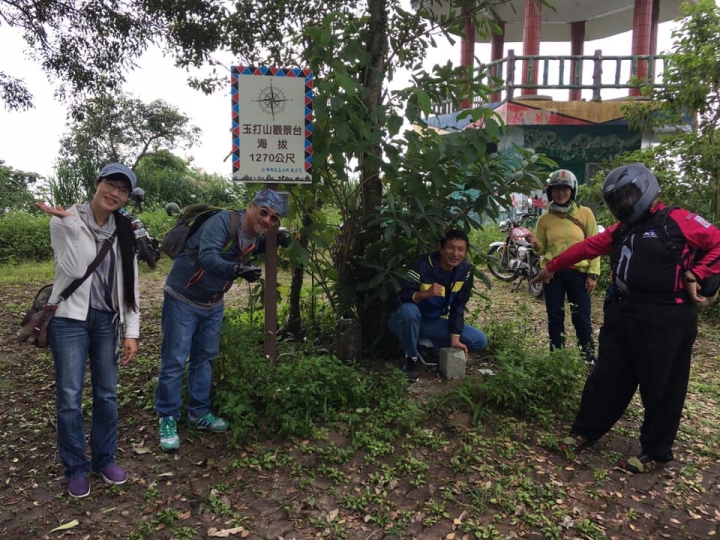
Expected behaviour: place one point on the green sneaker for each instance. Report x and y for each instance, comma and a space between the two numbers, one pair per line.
169, 439
640, 464
575, 443
209, 422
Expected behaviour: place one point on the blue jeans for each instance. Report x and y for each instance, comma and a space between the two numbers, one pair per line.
72, 342
571, 283
188, 331
407, 323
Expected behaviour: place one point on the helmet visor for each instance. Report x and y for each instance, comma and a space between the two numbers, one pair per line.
621, 201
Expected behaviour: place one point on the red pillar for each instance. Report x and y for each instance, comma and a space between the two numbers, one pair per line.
577, 47
531, 43
496, 53
641, 37
655, 20
467, 50
654, 32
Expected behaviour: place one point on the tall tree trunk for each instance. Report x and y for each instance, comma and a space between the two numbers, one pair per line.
370, 315
374, 78
294, 323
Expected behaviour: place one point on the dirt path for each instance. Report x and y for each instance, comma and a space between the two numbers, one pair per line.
498, 481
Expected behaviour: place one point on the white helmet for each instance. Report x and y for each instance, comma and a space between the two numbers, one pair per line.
562, 177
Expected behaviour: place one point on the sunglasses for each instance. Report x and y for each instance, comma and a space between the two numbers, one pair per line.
273, 217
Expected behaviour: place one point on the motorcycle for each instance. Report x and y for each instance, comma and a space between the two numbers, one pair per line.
148, 248
514, 257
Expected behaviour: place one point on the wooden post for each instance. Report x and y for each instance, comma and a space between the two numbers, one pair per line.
271, 290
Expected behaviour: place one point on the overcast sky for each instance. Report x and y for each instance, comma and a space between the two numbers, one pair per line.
29, 140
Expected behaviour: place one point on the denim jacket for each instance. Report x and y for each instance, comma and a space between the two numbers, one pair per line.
203, 272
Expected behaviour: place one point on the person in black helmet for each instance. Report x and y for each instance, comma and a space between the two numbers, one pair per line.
172, 209
137, 198
650, 313
566, 223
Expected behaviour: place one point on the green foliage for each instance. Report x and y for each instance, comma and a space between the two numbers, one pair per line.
528, 380
676, 189
429, 181
296, 393
72, 183
167, 178
14, 189
690, 96
115, 127
87, 48
24, 237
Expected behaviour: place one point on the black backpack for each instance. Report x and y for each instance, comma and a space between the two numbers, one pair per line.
189, 221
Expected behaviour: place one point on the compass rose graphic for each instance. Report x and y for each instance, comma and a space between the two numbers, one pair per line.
272, 100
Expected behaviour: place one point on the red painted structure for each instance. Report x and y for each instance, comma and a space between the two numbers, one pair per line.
531, 43
576, 21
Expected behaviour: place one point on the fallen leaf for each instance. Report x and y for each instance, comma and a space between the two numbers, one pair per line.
224, 533
66, 526
140, 448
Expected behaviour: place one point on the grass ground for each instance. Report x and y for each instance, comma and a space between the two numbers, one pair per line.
448, 479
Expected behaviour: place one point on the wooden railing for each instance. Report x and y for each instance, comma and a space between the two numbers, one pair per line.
572, 73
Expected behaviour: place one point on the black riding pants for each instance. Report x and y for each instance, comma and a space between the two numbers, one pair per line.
646, 345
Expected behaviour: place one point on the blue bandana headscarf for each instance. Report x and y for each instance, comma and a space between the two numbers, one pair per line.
270, 199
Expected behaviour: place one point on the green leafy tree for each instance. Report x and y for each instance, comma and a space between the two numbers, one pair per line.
118, 127
15, 188
690, 97
395, 189
166, 177
115, 128
88, 46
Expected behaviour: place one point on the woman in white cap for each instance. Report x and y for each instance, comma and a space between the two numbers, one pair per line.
88, 323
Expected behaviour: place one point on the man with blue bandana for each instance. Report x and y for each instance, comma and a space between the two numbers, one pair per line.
193, 309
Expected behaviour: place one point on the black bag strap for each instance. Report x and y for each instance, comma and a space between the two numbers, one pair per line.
106, 245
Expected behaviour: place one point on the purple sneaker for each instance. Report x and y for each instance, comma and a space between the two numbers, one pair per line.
78, 487
113, 475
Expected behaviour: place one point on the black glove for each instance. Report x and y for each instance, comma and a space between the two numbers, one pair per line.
283, 237
283, 241
248, 273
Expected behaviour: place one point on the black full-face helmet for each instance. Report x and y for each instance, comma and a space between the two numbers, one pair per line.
137, 196
172, 209
561, 177
629, 192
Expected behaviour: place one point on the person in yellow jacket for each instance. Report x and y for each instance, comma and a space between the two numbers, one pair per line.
567, 223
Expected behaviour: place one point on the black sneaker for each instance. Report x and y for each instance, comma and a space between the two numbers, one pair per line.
412, 368
427, 355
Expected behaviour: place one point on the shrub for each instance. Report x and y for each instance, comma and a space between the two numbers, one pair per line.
297, 392
528, 381
24, 237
